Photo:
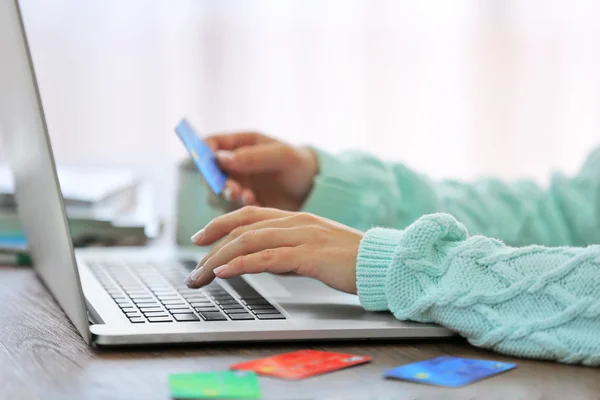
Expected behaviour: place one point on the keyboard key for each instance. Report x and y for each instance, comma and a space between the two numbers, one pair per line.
147, 300
227, 302
241, 317
146, 303
176, 306
215, 290
141, 297
168, 297
270, 311
153, 308
207, 309
221, 295
134, 289
195, 297
261, 307
270, 316
181, 311
236, 311
213, 316
256, 302
165, 292
125, 309
173, 302
119, 297
185, 317
132, 312
197, 300
156, 314
182, 288
196, 293
159, 319
201, 304
137, 320
140, 293
236, 306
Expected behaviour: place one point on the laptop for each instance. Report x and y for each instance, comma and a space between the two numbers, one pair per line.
136, 296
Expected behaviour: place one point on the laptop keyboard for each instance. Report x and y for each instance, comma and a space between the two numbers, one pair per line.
155, 293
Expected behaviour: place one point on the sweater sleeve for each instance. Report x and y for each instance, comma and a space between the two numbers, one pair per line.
534, 302
362, 191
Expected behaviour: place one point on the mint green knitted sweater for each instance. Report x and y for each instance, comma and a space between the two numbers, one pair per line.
525, 284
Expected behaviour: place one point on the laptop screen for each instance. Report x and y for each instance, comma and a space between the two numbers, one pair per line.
37, 191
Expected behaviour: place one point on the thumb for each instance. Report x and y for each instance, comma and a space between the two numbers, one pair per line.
259, 158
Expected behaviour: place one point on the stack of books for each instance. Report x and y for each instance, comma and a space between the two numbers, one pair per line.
102, 209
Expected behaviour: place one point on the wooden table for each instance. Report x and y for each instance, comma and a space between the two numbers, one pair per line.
42, 356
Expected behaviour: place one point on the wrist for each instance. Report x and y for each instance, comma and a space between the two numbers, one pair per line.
310, 169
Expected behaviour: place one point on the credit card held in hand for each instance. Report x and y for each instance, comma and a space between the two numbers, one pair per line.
448, 371
301, 364
202, 156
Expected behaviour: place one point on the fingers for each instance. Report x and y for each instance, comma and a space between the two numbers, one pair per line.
248, 198
224, 224
278, 261
253, 241
233, 191
235, 140
285, 222
260, 158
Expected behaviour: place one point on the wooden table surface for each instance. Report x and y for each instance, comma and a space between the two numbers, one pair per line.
42, 356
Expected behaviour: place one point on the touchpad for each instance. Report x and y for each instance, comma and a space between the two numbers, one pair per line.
306, 298
295, 286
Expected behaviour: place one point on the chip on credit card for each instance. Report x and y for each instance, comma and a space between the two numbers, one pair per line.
448, 371
301, 364
202, 155
215, 385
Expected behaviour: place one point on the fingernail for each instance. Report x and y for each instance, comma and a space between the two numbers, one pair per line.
246, 199
227, 194
224, 155
197, 236
194, 275
220, 269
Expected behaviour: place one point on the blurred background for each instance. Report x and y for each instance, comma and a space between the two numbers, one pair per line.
454, 89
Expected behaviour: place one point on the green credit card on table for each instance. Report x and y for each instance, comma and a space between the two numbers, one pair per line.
215, 385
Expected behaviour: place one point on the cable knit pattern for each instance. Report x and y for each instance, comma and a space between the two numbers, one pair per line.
534, 302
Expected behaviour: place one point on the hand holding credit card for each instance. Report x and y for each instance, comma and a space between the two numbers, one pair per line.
202, 156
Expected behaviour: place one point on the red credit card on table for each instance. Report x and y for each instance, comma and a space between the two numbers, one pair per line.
301, 364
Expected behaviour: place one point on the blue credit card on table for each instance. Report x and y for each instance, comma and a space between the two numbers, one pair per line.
202, 155
448, 371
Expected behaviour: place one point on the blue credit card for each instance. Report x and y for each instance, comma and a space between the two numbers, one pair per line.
448, 371
202, 155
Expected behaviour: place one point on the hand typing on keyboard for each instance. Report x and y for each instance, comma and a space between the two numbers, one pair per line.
257, 240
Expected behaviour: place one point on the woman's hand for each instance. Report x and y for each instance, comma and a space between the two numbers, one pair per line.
268, 240
264, 171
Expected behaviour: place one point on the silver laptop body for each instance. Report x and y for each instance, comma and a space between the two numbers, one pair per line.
136, 296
